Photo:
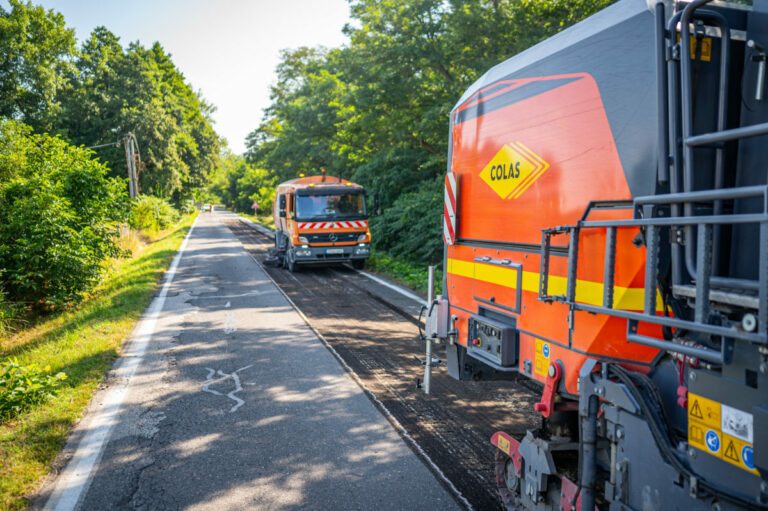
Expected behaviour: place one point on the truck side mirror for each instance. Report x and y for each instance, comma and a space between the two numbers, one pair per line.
282, 204
282, 213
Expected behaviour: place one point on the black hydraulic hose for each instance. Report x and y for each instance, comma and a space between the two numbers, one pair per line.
589, 455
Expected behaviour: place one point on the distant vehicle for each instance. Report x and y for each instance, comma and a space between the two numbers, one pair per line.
320, 220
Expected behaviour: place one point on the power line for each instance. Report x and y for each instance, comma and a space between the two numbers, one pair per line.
113, 144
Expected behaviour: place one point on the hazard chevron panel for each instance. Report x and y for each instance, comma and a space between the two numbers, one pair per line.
349, 224
449, 212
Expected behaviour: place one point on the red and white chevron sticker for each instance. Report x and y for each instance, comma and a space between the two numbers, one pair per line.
449, 211
349, 224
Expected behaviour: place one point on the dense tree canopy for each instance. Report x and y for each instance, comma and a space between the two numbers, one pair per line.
376, 110
96, 94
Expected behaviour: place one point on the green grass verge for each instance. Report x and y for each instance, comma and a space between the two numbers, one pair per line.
84, 343
412, 275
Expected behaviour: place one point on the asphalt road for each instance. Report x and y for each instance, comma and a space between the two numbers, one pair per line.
236, 404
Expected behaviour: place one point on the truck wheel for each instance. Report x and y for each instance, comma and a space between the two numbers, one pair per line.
358, 264
290, 262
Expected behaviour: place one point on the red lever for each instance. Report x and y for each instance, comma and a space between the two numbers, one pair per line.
547, 403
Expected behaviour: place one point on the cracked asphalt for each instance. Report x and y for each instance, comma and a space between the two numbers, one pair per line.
238, 405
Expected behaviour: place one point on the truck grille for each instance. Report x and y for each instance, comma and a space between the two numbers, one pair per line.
332, 237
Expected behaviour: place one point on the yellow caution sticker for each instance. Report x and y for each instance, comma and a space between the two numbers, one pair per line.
704, 410
513, 170
503, 444
706, 48
713, 428
542, 357
739, 453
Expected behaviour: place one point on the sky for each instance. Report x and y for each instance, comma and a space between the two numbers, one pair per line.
228, 49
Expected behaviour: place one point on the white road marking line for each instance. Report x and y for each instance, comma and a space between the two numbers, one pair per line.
223, 377
393, 287
230, 323
217, 297
76, 476
368, 392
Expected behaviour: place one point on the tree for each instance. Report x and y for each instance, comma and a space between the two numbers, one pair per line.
139, 90
35, 60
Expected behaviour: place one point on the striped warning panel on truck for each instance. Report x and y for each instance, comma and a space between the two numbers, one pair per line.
449, 213
349, 224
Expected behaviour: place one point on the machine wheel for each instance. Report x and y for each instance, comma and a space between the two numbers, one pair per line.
507, 482
358, 264
290, 262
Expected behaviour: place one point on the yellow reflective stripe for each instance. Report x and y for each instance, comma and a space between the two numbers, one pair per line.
587, 292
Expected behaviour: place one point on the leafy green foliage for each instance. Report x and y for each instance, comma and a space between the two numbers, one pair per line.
413, 212
138, 89
97, 94
59, 214
238, 184
24, 386
9, 314
152, 214
35, 53
413, 275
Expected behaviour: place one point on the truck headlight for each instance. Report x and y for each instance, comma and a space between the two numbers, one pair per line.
303, 253
362, 237
303, 239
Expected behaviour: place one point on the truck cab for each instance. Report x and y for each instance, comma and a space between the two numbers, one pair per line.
321, 220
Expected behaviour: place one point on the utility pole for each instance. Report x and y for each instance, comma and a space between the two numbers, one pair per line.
131, 157
132, 160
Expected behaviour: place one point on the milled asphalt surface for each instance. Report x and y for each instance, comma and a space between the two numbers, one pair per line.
238, 405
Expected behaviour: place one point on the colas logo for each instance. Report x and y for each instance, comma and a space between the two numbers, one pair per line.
513, 170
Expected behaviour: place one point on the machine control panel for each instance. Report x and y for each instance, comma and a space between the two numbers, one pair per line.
493, 340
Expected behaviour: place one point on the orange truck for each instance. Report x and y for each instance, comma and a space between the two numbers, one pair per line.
321, 220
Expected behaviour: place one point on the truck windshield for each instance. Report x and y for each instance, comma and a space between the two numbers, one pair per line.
330, 206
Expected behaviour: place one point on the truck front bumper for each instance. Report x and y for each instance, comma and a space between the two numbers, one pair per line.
304, 254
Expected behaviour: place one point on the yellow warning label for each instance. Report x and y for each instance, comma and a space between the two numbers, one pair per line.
503, 444
696, 434
739, 453
513, 170
704, 410
706, 48
705, 432
542, 357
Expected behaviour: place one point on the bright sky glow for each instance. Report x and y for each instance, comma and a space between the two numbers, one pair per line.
227, 48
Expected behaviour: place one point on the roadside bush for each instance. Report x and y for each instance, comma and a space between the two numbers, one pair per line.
414, 275
59, 215
24, 386
188, 207
411, 227
150, 213
9, 314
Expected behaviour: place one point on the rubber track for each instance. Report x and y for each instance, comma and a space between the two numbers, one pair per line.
455, 422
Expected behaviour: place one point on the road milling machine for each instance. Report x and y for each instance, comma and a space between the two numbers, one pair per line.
606, 235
